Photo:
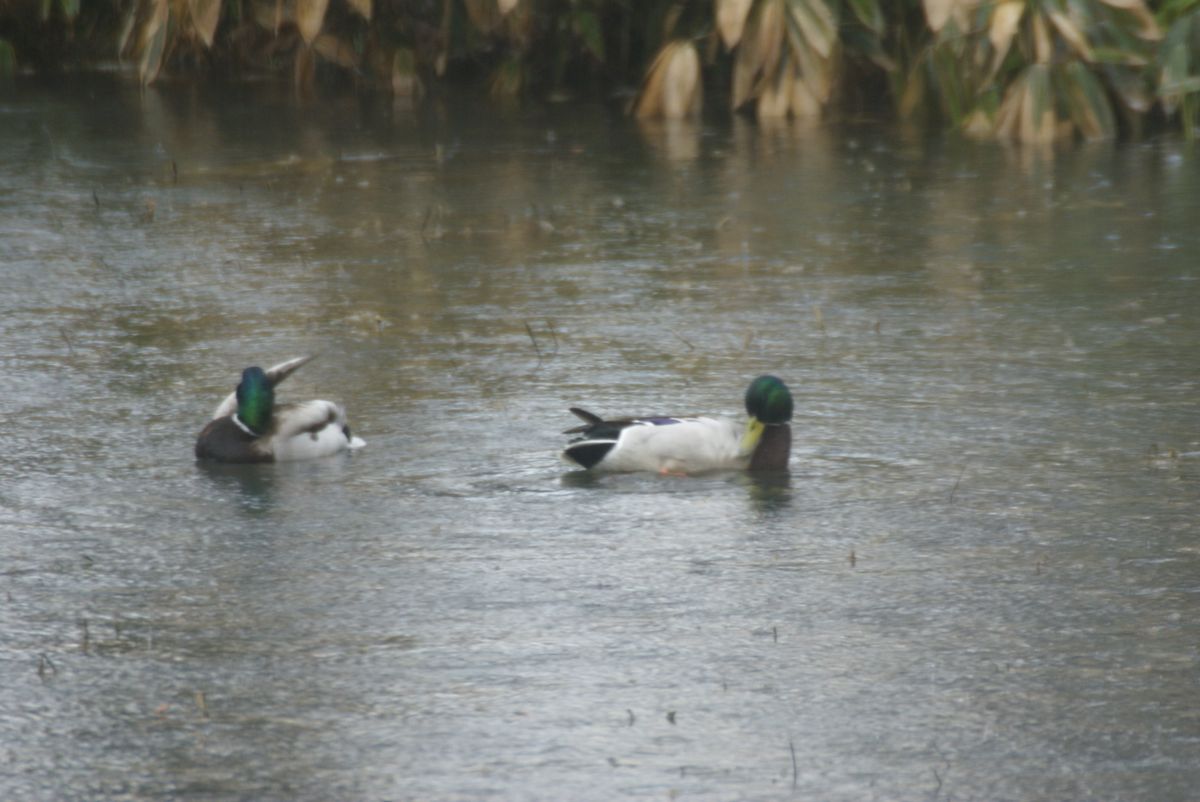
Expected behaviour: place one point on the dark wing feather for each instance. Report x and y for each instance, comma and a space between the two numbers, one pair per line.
589, 452
596, 426
590, 417
223, 441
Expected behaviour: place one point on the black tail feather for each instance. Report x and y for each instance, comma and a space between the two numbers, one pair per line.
590, 418
589, 452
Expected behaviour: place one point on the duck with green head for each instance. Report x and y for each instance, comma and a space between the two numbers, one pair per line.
688, 445
248, 426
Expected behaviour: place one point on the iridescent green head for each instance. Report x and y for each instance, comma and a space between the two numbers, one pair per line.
256, 399
768, 400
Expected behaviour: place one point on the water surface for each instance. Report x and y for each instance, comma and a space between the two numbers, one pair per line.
980, 580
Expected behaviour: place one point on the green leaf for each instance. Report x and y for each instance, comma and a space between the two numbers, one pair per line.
1191, 116
8, 59
1088, 103
869, 14
1038, 78
1183, 86
587, 26
864, 43
1114, 55
948, 74
70, 8
1131, 87
1174, 71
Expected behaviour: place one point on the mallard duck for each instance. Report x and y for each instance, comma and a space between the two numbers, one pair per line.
690, 445
248, 426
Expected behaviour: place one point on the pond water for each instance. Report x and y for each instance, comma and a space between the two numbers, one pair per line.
980, 580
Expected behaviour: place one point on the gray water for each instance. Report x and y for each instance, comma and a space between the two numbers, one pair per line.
980, 581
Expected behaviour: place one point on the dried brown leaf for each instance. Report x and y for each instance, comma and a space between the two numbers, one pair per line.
1072, 34
731, 20
776, 96
1006, 17
1009, 115
1144, 15
304, 70
816, 70
940, 12
772, 25
310, 17
485, 15
1043, 47
153, 41
336, 50
126, 30
978, 125
937, 13
818, 22
205, 16
672, 86
759, 53
405, 81
1039, 123
361, 7
805, 104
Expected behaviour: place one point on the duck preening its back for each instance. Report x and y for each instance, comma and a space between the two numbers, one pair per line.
248, 426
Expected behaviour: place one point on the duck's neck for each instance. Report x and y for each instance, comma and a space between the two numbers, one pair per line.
773, 449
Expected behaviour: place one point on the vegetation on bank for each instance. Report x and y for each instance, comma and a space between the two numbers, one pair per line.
1028, 70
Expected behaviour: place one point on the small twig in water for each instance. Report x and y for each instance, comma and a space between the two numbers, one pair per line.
533, 339
201, 703
45, 665
86, 639
954, 489
425, 222
795, 770
67, 339
684, 340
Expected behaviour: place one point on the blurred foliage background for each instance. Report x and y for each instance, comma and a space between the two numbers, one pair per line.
1027, 70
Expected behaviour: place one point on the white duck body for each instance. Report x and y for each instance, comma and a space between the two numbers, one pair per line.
683, 445
676, 445
309, 430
